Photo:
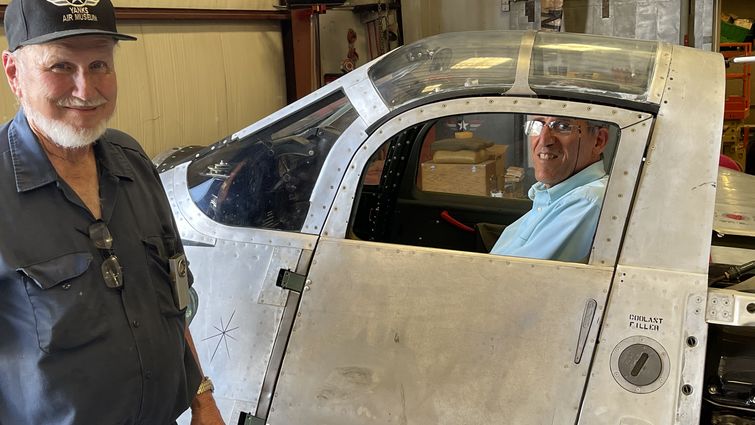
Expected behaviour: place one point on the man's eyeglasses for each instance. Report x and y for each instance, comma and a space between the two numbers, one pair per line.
534, 128
111, 268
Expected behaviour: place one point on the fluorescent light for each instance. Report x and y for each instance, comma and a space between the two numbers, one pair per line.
480, 63
577, 47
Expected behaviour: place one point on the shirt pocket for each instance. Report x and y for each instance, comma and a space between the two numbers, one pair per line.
159, 250
69, 311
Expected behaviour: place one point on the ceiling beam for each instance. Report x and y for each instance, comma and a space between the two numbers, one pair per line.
167, 14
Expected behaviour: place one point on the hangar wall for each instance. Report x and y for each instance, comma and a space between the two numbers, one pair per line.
334, 46
7, 100
672, 21
194, 82
423, 18
200, 4
191, 83
193, 4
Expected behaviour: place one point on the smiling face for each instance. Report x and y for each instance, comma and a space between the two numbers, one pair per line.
563, 147
67, 87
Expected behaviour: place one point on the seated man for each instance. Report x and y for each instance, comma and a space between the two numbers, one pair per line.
568, 195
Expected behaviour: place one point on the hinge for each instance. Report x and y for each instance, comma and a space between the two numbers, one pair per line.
249, 419
290, 280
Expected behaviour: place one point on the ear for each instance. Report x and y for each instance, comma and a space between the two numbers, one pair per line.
601, 140
10, 66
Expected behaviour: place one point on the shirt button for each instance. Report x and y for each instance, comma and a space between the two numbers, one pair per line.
148, 374
66, 286
539, 209
135, 323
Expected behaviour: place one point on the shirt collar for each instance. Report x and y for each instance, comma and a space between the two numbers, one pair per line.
589, 174
32, 168
111, 157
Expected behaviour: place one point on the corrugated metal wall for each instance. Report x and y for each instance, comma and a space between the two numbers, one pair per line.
667, 20
423, 18
192, 83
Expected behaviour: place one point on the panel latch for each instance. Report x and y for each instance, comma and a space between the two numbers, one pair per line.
249, 419
290, 280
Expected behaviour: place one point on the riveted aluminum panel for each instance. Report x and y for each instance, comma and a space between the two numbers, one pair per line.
731, 307
634, 125
366, 101
403, 334
675, 199
187, 232
239, 312
240, 308
281, 341
330, 177
621, 185
669, 308
663, 65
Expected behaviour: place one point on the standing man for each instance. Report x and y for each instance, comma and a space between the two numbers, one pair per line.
568, 195
92, 274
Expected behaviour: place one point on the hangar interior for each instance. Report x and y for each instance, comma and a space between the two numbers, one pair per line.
210, 90
210, 67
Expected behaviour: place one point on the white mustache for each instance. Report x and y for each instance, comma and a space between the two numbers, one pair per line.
75, 102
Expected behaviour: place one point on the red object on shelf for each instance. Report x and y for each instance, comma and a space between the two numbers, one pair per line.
738, 107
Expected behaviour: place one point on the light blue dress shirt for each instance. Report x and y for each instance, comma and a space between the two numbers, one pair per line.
562, 222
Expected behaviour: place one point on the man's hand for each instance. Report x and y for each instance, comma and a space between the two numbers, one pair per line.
204, 411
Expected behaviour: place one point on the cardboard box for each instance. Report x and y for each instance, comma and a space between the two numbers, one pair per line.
745, 23
498, 154
465, 179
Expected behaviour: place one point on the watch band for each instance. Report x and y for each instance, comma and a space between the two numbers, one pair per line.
205, 385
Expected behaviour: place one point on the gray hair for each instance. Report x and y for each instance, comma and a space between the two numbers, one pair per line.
19, 56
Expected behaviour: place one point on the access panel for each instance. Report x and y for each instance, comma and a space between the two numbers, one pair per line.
400, 334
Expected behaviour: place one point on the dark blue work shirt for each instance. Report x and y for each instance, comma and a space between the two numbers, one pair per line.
72, 350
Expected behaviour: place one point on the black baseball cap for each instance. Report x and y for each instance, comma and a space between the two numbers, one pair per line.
39, 21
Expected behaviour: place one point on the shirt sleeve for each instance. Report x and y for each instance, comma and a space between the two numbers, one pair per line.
565, 233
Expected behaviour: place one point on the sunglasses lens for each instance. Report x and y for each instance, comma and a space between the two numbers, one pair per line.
100, 235
111, 272
533, 128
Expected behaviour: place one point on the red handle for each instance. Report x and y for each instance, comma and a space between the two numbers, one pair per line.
454, 222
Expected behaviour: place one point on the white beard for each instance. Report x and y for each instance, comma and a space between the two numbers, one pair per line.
63, 134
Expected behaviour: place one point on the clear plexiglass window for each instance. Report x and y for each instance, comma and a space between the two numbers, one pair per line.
595, 65
265, 180
445, 63
559, 62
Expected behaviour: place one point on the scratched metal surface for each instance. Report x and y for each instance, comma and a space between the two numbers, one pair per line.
673, 208
674, 302
394, 334
239, 313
